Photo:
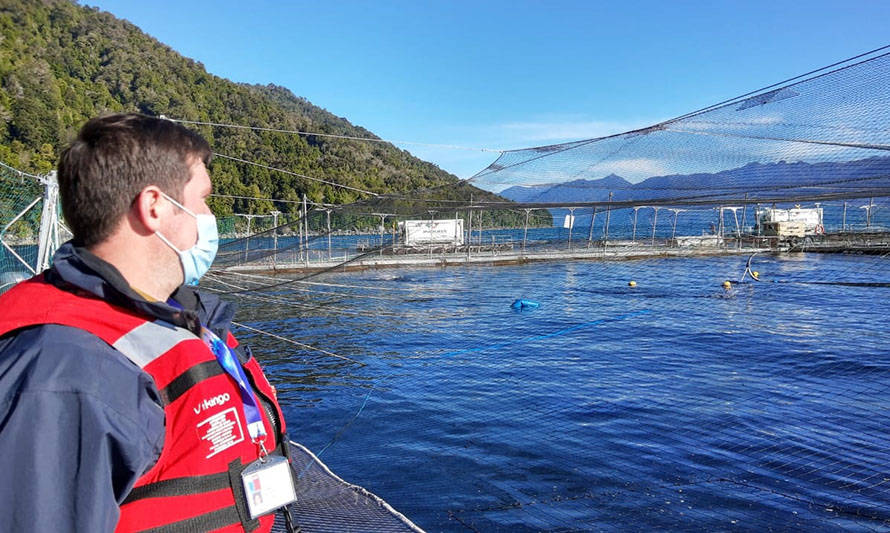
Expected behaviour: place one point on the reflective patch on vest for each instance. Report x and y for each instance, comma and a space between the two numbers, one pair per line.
147, 342
221, 431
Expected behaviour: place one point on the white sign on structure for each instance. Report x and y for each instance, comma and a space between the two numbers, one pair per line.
568, 222
446, 231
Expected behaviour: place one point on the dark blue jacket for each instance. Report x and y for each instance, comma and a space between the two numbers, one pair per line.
79, 422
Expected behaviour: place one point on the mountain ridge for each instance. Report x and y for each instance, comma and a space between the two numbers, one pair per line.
773, 177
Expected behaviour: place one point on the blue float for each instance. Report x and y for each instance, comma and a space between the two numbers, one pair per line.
524, 304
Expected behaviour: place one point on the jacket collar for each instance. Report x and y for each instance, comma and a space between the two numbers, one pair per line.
76, 266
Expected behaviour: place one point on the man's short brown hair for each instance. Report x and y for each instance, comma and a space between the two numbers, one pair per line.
112, 160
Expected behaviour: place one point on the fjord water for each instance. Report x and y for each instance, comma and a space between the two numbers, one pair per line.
669, 406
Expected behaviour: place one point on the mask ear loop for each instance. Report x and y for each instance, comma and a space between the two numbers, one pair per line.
179, 205
168, 243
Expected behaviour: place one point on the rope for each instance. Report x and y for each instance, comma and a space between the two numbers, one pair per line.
243, 293
345, 426
267, 167
342, 285
335, 136
883, 147
300, 344
255, 198
21, 173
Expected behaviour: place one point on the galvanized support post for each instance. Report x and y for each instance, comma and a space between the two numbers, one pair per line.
328, 217
275, 238
525, 231
469, 227
590, 232
48, 236
382, 223
306, 224
634, 234
608, 216
571, 224
654, 223
247, 239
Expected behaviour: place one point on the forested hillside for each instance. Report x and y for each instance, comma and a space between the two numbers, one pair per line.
61, 64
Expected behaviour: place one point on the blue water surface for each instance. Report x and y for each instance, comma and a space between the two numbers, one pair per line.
672, 405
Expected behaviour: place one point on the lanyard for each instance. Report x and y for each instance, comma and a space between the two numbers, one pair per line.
232, 366
229, 362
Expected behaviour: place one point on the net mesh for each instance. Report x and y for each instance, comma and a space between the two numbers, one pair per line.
671, 407
20, 203
676, 404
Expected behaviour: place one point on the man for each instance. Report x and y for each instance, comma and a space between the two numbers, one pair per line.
124, 401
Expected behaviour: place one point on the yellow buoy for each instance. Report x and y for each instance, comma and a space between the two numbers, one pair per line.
755, 274
727, 285
631, 283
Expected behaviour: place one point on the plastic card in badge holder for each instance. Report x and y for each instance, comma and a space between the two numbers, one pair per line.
268, 485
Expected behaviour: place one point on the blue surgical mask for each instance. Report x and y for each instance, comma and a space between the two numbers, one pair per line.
196, 260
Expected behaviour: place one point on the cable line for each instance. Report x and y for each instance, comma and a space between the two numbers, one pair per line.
267, 167
300, 344
334, 136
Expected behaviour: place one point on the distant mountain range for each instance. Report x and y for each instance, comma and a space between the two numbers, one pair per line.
756, 179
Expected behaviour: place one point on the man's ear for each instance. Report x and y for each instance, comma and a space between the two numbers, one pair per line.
148, 208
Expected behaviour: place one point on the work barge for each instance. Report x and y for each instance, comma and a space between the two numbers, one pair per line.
455, 241
512, 253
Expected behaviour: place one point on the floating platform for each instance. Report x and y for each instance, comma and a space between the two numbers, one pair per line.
613, 250
374, 261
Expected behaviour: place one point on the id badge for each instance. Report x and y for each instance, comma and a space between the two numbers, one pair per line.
268, 485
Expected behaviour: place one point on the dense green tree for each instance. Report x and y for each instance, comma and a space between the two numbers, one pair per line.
61, 64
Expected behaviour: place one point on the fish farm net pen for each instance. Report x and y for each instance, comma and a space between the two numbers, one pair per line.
702, 344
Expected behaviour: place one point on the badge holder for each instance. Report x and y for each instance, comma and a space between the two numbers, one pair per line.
268, 484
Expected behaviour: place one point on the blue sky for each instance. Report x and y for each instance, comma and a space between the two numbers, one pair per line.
514, 74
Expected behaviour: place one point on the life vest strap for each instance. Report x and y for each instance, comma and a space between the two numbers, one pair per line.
188, 379
205, 522
180, 486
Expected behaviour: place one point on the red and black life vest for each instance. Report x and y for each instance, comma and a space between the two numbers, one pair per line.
196, 483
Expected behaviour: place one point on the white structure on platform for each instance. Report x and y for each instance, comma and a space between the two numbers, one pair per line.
795, 222
445, 231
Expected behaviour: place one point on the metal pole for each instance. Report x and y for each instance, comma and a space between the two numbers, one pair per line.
757, 223
634, 235
745, 210
300, 237
275, 237
48, 235
571, 224
247, 240
674, 228
469, 226
654, 223
328, 216
525, 230
469, 230
871, 202
306, 222
431, 233
738, 230
382, 222
608, 216
844, 222
590, 232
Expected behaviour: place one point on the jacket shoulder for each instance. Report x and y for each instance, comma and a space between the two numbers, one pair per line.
57, 358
